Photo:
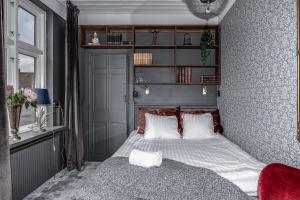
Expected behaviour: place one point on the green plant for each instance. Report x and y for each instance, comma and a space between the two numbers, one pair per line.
25, 97
207, 43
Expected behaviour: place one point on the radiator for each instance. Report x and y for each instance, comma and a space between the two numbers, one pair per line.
32, 165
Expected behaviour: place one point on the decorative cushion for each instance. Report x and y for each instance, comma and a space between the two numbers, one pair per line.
161, 112
161, 127
198, 126
279, 182
216, 119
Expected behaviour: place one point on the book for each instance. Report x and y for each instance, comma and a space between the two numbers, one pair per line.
209, 79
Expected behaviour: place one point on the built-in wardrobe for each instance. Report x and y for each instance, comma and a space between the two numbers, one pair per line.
141, 66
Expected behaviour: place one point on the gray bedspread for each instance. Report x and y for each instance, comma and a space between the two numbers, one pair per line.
116, 179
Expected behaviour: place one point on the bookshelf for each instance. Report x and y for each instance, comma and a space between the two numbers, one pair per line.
168, 52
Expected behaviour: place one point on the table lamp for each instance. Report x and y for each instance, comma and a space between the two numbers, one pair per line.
41, 116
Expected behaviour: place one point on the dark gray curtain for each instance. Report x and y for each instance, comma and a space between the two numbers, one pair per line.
73, 135
5, 179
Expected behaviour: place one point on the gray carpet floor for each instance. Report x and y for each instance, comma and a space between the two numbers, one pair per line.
60, 185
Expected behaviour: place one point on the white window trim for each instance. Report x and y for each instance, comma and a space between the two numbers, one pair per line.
38, 51
14, 46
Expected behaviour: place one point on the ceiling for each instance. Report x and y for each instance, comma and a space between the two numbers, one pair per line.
140, 12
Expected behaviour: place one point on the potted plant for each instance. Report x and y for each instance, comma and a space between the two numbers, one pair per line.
15, 102
207, 43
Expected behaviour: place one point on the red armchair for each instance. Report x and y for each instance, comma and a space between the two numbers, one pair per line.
279, 182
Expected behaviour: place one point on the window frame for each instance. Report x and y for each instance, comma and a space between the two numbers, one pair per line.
39, 50
14, 46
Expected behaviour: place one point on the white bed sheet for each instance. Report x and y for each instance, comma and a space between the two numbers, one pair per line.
217, 154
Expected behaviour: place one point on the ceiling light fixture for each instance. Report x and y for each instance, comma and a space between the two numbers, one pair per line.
206, 9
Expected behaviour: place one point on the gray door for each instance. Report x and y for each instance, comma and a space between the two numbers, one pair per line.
107, 104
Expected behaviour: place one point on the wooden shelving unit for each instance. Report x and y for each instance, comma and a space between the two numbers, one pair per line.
103, 46
154, 66
152, 83
173, 42
192, 46
154, 46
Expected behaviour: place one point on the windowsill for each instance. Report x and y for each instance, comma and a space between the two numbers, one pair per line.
31, 136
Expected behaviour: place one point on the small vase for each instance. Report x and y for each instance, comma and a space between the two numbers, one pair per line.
14, 113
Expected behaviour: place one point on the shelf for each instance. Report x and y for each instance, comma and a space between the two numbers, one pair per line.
154, 66
149, 28
170, 47
173, 66
192, 47
129, 46
104, 46
198, 66
176, 83
154, 46
193, 28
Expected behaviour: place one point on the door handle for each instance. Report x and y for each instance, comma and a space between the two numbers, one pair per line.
125, 98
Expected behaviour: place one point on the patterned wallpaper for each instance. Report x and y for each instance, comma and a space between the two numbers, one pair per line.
258, 89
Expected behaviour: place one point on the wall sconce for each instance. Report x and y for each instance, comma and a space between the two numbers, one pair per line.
147, 90
204, 90
135, 94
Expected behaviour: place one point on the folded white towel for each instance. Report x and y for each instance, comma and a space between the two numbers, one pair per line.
145, 159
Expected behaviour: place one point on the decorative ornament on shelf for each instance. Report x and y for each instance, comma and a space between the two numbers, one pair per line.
15, 102
95, 39
206, 9
155, 37
187, 40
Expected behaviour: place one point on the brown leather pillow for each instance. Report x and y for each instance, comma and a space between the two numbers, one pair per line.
161, 112
216, 118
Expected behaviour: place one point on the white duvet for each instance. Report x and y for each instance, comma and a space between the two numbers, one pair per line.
216, 153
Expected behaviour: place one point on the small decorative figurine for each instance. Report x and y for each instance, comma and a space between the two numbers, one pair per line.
155, 37
95, 39
187, 39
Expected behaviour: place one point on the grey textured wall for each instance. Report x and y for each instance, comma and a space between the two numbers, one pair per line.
258, 91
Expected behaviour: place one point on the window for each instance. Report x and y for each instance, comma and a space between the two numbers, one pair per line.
26, 26
25, 49
26, 70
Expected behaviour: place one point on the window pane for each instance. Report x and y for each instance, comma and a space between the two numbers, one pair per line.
26, 26
26, 70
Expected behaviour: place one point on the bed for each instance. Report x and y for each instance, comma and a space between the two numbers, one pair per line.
212, 168
208, 167
217, 154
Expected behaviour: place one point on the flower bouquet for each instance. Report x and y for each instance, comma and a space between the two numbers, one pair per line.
15, 102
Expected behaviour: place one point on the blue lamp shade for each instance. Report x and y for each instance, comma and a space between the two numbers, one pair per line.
42, 96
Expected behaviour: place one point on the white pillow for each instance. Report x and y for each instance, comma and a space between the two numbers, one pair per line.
161, 127
198, 126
